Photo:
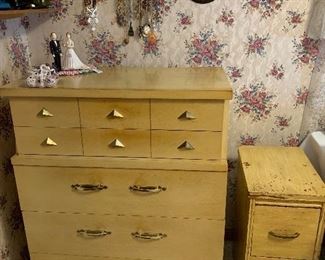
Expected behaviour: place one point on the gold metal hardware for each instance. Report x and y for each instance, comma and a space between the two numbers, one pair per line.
147, 189
115, 114
187, 115
186, 146
49, 142
45, 113
88, 187
148, 236
93, 233
284, 234
117, 144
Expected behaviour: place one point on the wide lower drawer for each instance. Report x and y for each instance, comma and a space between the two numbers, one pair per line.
37, 256
124, 237
187, 115
112, 142
48, 141
115, 113
284, 232
139, 192
45, 112
186, 144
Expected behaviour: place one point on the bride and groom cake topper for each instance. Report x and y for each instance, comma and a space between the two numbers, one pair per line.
71, 61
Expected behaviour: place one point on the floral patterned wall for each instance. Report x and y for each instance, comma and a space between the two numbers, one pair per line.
261, 44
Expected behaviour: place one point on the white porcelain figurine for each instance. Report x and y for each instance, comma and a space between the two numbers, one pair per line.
71, 59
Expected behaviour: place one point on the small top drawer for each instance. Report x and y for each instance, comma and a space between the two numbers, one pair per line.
284, 232
45, 112
187, 115
115, 113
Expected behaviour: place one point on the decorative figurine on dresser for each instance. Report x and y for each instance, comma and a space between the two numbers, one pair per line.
126, 164
56, 52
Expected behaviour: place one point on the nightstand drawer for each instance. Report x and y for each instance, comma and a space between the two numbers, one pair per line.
187, 115
115, 113
109, 142
125, 191
45, 112
124, 237
186, 144
48, 141
284, 232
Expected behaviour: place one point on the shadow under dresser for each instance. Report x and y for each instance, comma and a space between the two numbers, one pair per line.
127, 164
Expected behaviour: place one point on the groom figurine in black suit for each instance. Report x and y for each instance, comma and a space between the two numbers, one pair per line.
56, 52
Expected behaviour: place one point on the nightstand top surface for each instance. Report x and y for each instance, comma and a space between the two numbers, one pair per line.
168, 83
280, 172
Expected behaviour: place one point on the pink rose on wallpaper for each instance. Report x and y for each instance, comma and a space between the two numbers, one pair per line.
281, 123
81, 22
277, 71
256, 44
306, 51
265, 7
19, 54
183, 21
291, 140
301, 96
59, 9
226, 17
254, 101
293, 19
234, 73
151, 46
162, 8
24, 21
248, 139
205, 49
103, 50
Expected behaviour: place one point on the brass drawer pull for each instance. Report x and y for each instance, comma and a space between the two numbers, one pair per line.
88, 187
148, 236
147, 189
93, 233
187, 116
114, 114
186, 146
49, 142
45, 113
284, 234
117, 144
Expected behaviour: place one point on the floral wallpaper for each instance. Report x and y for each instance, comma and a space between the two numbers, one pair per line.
261, 44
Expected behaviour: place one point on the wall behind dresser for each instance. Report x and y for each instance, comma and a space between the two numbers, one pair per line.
261, 45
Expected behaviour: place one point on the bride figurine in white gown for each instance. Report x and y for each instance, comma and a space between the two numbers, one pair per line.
71, 59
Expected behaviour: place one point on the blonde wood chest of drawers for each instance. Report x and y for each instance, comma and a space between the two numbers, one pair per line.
280, 205
128, 164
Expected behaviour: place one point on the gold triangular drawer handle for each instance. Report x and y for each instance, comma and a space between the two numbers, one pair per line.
49, 142
45, 113
186, 146
117, 144
115, 114
187, 115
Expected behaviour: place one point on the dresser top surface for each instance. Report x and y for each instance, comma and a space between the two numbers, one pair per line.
173, 83
280, 172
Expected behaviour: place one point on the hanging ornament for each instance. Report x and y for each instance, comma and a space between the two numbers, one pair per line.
92, 15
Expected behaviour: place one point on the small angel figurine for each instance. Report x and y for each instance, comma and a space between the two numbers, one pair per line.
71, 59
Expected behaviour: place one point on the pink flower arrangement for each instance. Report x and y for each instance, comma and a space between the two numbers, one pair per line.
227, 17
205, 49
291, 140
301, 96
183, 21
248, 139
256, 44
254, 101
265, 7
306, 50
234, 73
276, 71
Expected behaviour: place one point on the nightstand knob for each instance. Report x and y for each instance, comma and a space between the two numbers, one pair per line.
186, 146
93, 233
88, 187
117, 144
187, 115
148, 236
147, 189
45, 113
115, 114
49, 142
